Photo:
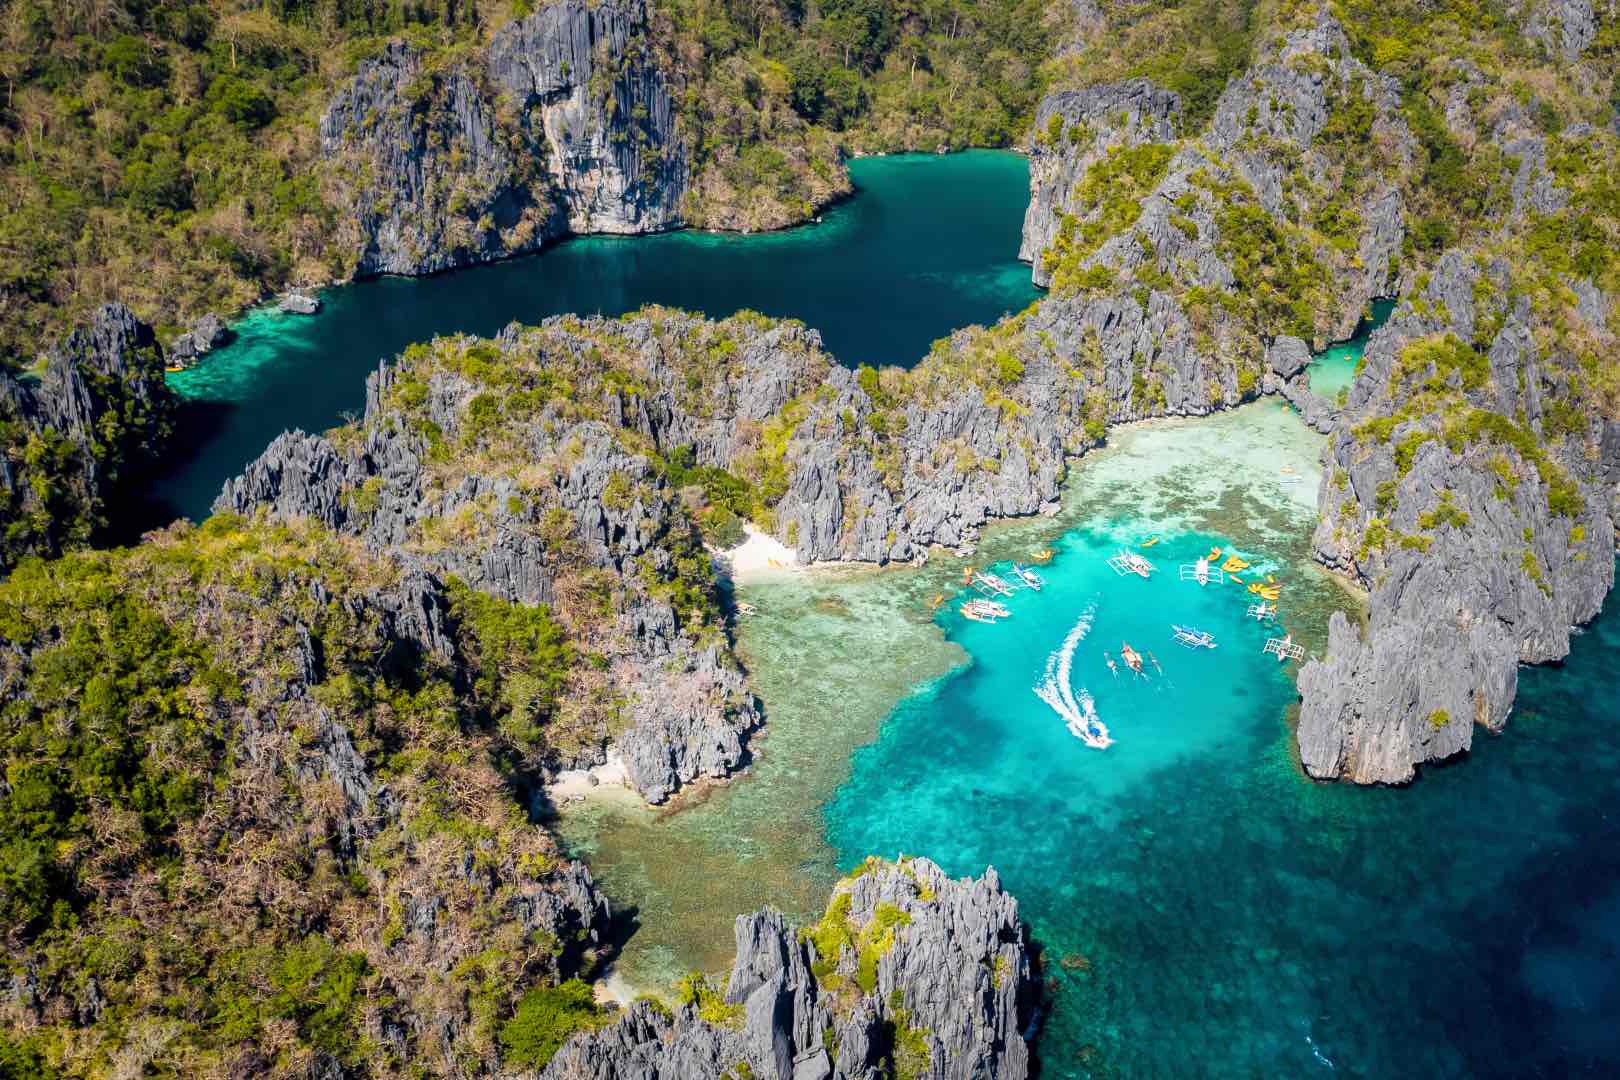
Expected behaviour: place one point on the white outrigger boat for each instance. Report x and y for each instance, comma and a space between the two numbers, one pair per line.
1284, 648
1262, 611
1194, 639
1028, 577
1129, 562
1202, 572
991, 584
985, 611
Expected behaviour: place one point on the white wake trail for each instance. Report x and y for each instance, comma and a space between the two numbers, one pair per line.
1078, 713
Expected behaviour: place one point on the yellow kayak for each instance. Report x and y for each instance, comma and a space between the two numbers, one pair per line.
1233, 563
1270, 592
1151, 542
1214, 554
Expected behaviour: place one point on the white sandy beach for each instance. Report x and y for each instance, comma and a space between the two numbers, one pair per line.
576, 783
761, 555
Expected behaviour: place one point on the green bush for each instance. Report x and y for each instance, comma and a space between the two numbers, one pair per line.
544, 1019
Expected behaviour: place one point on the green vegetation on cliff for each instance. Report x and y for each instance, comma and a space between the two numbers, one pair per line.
165, 153
245, 822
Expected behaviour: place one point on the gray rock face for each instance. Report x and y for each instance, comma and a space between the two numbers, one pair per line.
565, 124
688, 705
1087, 124
103, 396
206, 334
950, 998
614, 159
299, 303
1479, 555
1566, 27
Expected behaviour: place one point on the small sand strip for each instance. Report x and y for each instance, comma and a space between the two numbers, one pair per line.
577, 783
760, 556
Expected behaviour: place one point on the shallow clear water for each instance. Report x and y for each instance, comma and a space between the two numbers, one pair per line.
926, 245
1333, 369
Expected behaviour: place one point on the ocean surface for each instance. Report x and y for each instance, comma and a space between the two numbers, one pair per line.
926, 245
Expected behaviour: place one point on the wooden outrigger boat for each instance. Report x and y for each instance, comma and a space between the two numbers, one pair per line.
1132, 658
1202, 572
993, 583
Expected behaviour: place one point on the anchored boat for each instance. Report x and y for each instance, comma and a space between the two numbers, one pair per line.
1284, 648
1129, 562
1194, 639
1132, 658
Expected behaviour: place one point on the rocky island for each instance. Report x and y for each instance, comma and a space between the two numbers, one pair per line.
275, 784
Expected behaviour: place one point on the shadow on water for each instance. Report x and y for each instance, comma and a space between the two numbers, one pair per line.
143, 505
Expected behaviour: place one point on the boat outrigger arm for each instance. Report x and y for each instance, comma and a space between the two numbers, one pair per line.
1284, 648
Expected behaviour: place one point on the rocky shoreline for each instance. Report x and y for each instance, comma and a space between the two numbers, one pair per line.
909, 973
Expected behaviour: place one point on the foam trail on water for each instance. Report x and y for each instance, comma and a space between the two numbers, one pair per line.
1078, 713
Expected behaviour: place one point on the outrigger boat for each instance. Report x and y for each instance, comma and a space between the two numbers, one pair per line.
1028, 577
1202, 572
1261, 611
991, 583
1194, 639
986, 611
1132, 658
1129, 562
1284, 648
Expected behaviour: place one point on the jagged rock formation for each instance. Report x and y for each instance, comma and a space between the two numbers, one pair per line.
682, 705
267, 720
1073, 130
206, 334
1476, 502
932, 979
1566, 27
565, 124
588, 80
99, 411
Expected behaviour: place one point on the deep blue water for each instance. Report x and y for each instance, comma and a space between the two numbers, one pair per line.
926, 245
1204, 910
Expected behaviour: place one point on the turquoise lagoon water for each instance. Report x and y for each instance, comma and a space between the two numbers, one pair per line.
1333, 369
926, 245
1203, 909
